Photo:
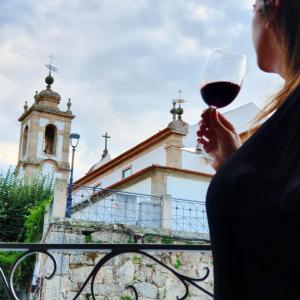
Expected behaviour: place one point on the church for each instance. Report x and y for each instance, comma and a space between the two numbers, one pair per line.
148, 182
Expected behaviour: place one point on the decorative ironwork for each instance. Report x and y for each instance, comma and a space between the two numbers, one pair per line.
115, 250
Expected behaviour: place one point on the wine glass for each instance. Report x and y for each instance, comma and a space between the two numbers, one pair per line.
220, 83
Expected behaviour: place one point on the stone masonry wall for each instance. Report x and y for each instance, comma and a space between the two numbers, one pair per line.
151, 280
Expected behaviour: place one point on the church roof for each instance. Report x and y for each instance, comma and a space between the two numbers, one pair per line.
154, 139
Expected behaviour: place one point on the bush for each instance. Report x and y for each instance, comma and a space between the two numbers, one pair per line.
22, 208
17, 197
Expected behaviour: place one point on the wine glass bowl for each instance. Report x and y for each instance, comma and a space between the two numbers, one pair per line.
222, 77
220, 83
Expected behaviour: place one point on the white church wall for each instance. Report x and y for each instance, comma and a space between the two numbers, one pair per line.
43, 122
192, 161
59, 147
142, 187
40, 144
60, 125
47, 168
188, 215
156, 156
187, 188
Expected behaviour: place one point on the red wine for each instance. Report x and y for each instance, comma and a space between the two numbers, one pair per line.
219, 93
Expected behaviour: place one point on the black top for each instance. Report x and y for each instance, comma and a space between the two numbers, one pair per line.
253, 209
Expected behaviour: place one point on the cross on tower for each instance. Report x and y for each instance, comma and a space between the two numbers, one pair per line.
50, 67
105, 152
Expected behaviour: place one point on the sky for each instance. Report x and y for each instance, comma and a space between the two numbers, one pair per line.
121, 62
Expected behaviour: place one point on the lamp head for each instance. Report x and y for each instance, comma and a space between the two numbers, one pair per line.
74, 139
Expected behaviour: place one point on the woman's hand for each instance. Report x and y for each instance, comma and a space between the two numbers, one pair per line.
218, 136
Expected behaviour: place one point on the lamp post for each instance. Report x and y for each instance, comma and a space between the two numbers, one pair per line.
74, 140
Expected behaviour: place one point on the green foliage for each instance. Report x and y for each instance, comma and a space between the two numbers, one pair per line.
34, 222
177, 264
125, 298
167, 240
151, 239
88, 238
137, 260
22, 208
17, 197
130, 240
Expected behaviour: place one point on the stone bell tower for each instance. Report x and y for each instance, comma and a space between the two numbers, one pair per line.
44, 135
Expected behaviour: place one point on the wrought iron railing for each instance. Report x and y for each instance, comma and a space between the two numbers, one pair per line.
117, 207
112, 250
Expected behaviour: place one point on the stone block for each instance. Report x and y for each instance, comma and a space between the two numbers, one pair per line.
159, 279
109, 237
125, 273
79, 275
146, 289
105, 275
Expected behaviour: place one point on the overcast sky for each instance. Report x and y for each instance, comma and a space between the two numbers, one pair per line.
120, 61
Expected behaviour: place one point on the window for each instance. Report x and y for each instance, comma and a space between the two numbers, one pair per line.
127, 172
25, 141
50, 139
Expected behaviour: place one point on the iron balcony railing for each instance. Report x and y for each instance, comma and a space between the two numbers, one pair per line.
111, 250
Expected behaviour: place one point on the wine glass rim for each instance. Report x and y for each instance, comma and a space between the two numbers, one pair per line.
228, 52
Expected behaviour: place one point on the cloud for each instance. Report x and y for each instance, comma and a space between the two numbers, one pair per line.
120, 61
9, 153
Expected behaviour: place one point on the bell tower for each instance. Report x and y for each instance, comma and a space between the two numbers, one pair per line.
44, 134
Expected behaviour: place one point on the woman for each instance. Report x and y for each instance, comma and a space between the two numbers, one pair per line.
253, 201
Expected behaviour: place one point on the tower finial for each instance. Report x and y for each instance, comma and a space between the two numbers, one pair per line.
179, 110
69, 104
105, 151
49, 79
25, 106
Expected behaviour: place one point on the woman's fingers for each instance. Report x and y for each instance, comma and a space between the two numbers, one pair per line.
225, 122
208, 145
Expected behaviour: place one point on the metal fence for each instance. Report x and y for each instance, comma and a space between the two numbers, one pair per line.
189, 216
117, 207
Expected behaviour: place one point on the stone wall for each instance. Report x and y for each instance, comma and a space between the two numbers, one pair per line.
151, 280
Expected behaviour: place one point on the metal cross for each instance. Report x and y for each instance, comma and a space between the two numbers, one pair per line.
50, 67
179, 93
106, 138
179, 100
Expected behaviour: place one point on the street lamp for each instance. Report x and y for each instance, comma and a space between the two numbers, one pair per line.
74, 140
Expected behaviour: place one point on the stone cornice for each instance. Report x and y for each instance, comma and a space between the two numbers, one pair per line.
46, 109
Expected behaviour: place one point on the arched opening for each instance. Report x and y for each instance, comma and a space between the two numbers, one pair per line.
50, 139
25, 141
